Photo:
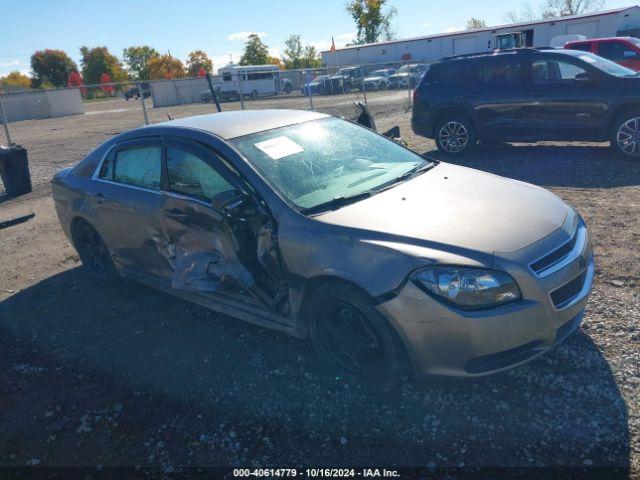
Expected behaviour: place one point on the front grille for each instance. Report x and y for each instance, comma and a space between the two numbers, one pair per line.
563, 295
555, 256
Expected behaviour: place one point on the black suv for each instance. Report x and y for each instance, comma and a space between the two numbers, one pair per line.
528, 95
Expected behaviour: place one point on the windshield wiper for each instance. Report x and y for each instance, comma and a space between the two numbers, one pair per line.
338, 202
414, 172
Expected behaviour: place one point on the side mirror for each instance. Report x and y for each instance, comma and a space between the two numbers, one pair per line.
584, 79
237, 206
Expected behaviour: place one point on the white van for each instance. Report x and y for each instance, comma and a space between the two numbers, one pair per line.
252, 81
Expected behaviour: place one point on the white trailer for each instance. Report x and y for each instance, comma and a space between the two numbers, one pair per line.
610, 23
251, 80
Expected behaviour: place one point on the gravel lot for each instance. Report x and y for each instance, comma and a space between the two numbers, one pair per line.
127, 376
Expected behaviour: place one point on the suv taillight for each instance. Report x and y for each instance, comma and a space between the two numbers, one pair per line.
416, 95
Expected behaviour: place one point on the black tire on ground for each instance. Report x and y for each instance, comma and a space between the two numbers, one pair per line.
455, 135
382, 86
254, 94
287, 88
625, 136
350, 334
346, 87
95, 256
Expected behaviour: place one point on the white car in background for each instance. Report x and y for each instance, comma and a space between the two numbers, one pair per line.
379, 79
408, 75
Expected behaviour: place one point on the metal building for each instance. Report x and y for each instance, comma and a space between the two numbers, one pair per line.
610, 23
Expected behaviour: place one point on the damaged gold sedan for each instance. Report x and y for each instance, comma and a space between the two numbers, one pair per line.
312, 225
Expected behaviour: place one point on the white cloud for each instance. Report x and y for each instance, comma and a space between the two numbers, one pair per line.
11, 63
427, 24
340, 40
244, 35
453, 29
223, 59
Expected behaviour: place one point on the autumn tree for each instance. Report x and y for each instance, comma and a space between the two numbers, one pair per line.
51, 67
198, 60
15, 80
98, 60
137, 60
165, 67
371, 19
255, 52
476, 24
565, 8
105, 80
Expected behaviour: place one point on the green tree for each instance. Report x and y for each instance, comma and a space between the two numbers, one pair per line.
476, 24
565, 8
197, 60
137, 61
293, 50
296, 55
51, 68
165, 67
15, 80
372, 22
310, 57
255, 52
98, 60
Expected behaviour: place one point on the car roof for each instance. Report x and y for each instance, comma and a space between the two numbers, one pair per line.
244, 122
600, 40
509, 52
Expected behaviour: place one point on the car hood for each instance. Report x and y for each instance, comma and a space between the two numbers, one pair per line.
458, 207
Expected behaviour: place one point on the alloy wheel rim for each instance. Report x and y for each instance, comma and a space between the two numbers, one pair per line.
348, 339
453, 136
628, 137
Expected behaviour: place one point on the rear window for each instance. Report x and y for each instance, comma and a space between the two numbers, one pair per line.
498, 72
447, 73
617, 51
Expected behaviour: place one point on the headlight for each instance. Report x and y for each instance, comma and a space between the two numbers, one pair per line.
468, 288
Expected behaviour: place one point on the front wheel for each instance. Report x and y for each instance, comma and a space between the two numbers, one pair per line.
350, 334
455, 136
625, 136
254, 94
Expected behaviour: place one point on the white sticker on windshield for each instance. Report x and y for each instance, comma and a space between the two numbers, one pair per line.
279, 147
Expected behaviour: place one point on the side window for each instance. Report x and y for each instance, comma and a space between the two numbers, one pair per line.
499, 73
554, 71
616, 51
584, 47
189, 174
136, 166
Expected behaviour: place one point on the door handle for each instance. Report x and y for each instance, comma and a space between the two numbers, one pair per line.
175, 214
100, 198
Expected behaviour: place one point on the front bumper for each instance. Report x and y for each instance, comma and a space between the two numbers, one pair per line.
442, 340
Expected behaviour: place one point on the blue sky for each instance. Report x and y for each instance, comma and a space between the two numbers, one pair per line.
217, 27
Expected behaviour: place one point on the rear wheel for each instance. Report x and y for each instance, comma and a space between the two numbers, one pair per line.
455, 136
625, 136
350, 334
254, 94
93, 252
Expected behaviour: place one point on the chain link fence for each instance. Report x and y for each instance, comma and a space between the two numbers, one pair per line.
59, 127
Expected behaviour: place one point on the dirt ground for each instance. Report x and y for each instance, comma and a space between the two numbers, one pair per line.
126, 376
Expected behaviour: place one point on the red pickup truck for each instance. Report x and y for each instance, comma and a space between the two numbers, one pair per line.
622, 50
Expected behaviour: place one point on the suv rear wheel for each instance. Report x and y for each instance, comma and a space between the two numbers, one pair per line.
455, 135
625, 136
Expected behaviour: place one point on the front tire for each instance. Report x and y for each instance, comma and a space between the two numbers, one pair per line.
625, 136
93, 252
455, 136
351, 335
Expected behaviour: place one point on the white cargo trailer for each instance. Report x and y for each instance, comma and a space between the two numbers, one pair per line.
610, 23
